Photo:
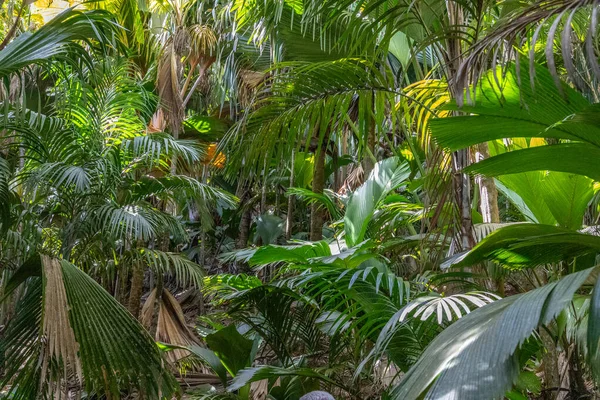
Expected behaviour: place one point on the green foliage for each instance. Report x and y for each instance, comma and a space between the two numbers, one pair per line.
234, 350
484, 363
113, 350
58, 39
385, 177
520, 245
126, 130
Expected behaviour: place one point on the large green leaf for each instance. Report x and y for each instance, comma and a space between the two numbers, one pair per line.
542, 196
505, 109
593, 332
523, 245
233, 349
298, 253
205, 128
269, 227
69, 327
115, 350
523, 190
567, 197
476, 358
386, 176
574, 158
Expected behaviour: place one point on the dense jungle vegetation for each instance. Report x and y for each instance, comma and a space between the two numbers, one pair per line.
259, 199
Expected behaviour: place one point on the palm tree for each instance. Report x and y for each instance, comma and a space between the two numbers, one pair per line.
505, 108
83, 185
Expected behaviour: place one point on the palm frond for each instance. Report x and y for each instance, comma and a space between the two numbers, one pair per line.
71, 327
325, 199
186, 272
137, 221
58, 38
474, 358
527, 245
524, 26
303, 103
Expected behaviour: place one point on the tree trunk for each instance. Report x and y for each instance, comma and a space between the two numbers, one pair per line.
245, 221
369, 160
343, 151
461, 185
137, 287
318, 184
157, 303
289, 219
578, 387
488, 193
551, 367
263, 193
488, 204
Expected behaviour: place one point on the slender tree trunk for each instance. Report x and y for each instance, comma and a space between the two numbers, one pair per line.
551, 368
343, 151
488, 204
461, 183
289, 219
245, 221
137, 287
121, 289
488, 193
579, 389
13, 30
318, 184
202, 257
263, 193
369, 161
157, 303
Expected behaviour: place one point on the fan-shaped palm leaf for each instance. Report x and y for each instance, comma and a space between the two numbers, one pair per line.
86, 332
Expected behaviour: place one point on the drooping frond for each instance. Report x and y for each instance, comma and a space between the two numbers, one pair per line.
186, 272
525, 245
298, 106
138, 221
505, 109
560, 23
58, 38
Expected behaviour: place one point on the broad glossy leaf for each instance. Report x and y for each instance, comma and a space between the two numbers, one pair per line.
231, 347
526, 245
593, 332
523, 190
516, 110
386, 176
475, 358
212, 360
567, 197
300, 253
573, 158
269, 227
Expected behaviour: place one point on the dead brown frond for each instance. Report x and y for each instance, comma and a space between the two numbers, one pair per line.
61, 346
171, 326
169, 91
